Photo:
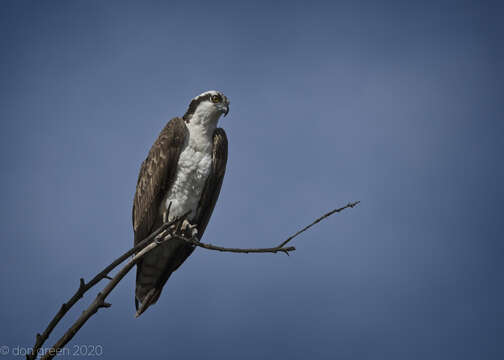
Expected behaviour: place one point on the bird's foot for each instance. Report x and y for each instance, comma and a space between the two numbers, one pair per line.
188, 230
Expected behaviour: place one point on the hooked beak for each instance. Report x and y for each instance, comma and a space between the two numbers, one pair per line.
226, 110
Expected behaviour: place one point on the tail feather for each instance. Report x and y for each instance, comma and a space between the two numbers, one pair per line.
154, 271
147, 301
148, 288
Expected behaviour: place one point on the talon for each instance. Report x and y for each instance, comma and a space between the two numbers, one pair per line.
185, 224
188, 229
194, 232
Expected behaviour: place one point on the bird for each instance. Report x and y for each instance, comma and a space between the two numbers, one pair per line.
183, 172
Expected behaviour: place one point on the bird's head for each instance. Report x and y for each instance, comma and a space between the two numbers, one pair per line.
207, 107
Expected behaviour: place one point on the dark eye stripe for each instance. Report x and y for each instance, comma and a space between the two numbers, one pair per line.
195, 102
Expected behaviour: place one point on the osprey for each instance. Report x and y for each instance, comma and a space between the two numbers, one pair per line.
182, 172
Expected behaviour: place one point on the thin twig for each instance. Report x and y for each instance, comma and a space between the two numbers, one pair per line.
349, 205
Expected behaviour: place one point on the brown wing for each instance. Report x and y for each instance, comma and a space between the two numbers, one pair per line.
148, 288
214, 181
156, 174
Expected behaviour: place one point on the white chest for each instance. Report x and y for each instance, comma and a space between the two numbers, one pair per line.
192, 171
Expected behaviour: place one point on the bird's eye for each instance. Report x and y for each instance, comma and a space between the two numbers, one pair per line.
216, 99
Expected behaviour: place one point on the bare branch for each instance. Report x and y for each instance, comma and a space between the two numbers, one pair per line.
99, 301
280, 248
194, 241
83, 287
164, 233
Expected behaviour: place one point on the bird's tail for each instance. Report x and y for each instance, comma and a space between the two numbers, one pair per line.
147, 301
149, 287
155, 269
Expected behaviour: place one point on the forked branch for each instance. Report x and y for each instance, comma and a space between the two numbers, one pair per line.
164, 233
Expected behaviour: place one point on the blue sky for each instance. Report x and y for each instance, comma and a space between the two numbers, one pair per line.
397, 104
